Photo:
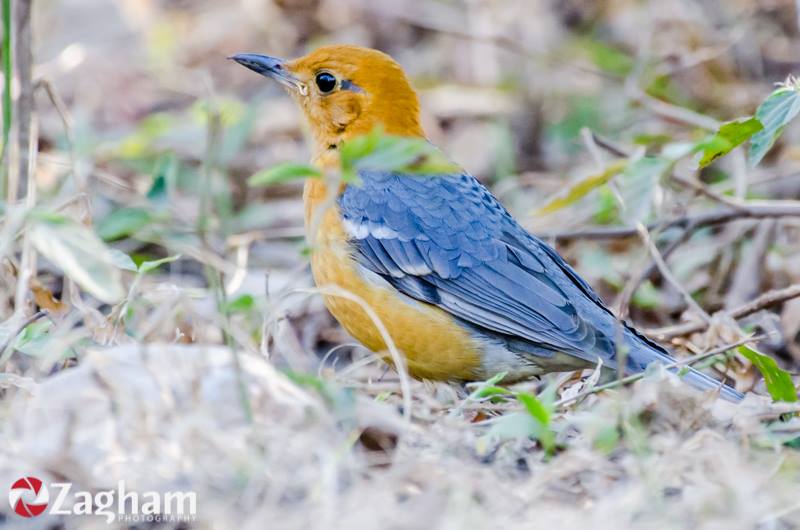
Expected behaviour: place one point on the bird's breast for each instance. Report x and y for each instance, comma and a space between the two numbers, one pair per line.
434, 344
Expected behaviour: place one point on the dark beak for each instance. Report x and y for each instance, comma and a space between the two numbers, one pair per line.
271, 67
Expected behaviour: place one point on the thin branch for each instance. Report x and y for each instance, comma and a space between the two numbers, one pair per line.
667, 273
648, 272
4, 355
767, 299
66, 122
673, 112
702, 189
611, 146
23, 57
588, 137
750, 210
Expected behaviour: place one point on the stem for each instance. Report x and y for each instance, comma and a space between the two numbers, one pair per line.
7, 76
770, 298
23, 58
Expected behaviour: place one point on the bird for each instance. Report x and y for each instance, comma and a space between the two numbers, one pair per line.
463, 290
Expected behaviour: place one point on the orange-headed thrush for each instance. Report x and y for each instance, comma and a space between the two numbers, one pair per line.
464, 291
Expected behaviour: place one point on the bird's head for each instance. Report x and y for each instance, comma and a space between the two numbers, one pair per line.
344, 91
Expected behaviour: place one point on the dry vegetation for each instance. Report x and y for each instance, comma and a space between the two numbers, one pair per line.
156, 319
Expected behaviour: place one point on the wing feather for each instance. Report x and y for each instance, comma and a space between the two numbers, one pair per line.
447, 241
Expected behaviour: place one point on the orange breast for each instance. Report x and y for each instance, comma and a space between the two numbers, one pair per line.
435, 346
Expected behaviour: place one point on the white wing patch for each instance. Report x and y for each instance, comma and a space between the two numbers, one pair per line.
356, 230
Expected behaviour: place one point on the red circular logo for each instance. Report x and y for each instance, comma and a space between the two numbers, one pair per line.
28, 497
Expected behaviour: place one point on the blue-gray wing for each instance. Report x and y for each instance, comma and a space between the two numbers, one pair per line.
447, 241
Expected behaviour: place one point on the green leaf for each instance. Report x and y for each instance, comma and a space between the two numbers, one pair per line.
515, 425
124, 222
607, 439
158, 189
79, 253
241, 304
674, 151
122, 260
485, 385
729, 136
779, 382
534, 407
489, 391
358, 147
164, 177
774, 113
541, 415
608, 58
606, 209
581, 188
34, 339
377, 151
646, 296
148, 266
282, 174
638, 184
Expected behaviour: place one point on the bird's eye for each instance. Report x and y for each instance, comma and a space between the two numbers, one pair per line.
325, 82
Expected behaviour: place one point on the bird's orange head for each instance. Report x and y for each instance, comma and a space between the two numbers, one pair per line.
345, 91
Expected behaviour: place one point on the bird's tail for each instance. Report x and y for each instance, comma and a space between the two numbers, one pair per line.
643, 351
701, 381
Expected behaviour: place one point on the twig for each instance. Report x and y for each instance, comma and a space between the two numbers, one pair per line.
657, 263
702, 189
746, 281
610, 146
61, 110
648, 272
767, 299
635, 377
667, 274
66, 122
691, 60
21, 182
588, 137
673, 112
749, 210
27, 262
13, 335
23, 56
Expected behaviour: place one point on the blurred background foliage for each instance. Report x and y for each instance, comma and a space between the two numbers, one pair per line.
163, 131
590, 120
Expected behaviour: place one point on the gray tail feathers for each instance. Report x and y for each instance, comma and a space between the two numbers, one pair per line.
701, 381
643, 351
